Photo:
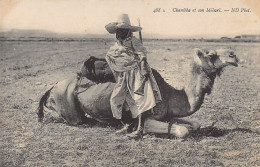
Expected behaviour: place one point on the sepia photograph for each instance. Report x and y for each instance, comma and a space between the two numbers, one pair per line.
86, 83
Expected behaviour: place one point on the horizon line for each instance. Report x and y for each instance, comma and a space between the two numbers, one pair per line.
152, 35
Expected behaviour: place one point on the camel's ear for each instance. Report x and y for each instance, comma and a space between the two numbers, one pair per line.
198, 52
198, 56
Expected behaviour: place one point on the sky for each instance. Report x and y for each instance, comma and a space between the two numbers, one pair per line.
91, 16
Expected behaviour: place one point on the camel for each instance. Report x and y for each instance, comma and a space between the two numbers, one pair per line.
93, 100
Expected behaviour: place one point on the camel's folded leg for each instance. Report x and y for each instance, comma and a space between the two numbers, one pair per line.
153, 126
190, 125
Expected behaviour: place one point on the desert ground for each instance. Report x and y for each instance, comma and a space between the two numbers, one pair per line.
30, 68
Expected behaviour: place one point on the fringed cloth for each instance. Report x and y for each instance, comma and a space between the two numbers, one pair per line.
124, 60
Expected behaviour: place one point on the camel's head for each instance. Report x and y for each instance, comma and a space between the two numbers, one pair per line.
225, 57
215, 60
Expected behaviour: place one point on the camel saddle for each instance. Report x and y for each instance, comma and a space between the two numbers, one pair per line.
97, 70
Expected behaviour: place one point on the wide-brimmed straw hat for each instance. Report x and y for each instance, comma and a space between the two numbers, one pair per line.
123, 21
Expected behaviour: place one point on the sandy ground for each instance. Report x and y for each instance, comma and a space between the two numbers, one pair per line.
30, 68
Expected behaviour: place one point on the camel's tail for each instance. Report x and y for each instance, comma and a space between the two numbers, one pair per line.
42, 103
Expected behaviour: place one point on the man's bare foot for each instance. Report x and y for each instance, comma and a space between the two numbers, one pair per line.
136, 134
123, 130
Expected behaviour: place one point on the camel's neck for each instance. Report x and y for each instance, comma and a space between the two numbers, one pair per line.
200, 82
181, 103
